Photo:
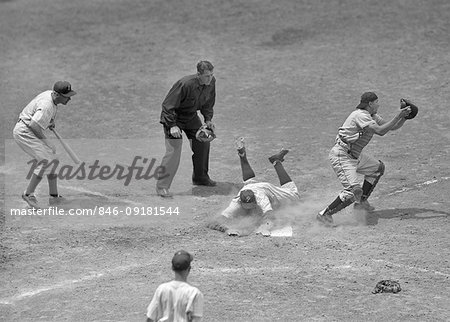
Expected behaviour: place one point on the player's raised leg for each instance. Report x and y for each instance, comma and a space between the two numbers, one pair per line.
276, 161
247, 171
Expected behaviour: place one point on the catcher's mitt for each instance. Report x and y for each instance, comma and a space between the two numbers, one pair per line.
407, 103
387, 286
205, 134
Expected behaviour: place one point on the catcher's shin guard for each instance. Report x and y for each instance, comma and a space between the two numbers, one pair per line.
337, 205
368, 187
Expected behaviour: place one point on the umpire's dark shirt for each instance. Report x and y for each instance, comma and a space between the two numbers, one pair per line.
185, 98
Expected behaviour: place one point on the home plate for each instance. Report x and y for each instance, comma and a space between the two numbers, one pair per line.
282, 232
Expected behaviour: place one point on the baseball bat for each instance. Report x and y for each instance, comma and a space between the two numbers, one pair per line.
66, 147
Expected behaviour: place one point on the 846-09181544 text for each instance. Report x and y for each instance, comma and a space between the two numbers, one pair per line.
97, 211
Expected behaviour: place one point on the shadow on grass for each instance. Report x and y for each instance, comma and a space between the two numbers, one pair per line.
404, 213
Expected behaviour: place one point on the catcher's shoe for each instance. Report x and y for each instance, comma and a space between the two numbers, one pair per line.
30, 200
279, 156
58, 200
240, 146
364, 205
325, 218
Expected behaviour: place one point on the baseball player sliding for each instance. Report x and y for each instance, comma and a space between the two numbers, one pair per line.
348, 160
28, 133
259, 199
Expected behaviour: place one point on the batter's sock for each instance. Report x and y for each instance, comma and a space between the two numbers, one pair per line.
281, 172
247, 171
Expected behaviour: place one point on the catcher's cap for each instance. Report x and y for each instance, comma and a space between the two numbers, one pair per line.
366, 98
181, 261
247, 196
64, 88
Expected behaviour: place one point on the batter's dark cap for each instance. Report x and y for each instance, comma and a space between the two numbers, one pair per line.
366, 98
64, 88
181, 261
247, 196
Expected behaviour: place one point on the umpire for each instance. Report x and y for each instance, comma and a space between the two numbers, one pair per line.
188, 95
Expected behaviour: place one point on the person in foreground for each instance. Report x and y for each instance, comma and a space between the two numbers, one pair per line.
348, 160
29, 133
177, 300
257, 199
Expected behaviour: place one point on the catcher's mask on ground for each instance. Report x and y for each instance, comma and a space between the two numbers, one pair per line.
247, 198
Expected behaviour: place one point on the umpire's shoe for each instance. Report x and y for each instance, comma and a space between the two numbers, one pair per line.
279, 156
208, 182
163, 192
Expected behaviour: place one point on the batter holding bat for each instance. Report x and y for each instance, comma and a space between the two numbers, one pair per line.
348, 160
28, 133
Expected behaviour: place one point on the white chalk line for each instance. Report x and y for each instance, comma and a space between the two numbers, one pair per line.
418, 185
66, 284
99, 194
212, 270
121, 269
423, 270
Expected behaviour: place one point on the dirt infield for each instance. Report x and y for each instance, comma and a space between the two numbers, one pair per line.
288, 73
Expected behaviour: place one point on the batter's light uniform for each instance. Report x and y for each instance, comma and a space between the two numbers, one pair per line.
35, 118
43, 111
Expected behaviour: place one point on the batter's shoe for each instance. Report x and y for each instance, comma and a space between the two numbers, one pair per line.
30, 200
240, 146
325, 218
364, 205
164, 193
58, 200
279, 156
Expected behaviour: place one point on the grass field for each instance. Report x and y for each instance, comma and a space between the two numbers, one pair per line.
288, 74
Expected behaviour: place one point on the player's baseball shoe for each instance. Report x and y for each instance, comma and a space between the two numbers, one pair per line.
324, 217
364, 205
30, 200
279, 156
162, 192
58, 200
240, 146
208, 182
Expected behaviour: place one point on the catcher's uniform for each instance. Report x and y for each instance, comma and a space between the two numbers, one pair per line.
346, 156
268, 197
43, 111
175, 301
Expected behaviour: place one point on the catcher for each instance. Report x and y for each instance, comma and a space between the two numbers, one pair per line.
348, 160
256, 200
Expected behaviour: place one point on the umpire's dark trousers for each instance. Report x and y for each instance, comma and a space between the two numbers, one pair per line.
171, 160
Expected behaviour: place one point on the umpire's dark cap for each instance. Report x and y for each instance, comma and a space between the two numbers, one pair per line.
366, 98
247, 196
64, 88
181, 261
